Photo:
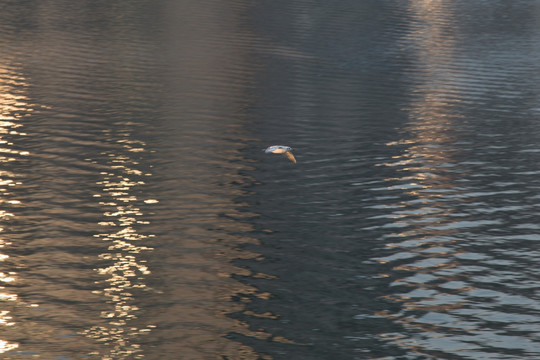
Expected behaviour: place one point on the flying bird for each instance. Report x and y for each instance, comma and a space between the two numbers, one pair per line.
281, 149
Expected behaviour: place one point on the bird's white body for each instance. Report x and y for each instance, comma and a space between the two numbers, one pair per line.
281, 149
277, 149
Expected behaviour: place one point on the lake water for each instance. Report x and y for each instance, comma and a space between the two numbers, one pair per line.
140, 219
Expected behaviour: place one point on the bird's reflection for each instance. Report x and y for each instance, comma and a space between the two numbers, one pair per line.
123, 217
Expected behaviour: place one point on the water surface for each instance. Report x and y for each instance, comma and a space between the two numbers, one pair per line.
141, 220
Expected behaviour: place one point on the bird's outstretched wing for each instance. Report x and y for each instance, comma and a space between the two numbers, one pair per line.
290, 156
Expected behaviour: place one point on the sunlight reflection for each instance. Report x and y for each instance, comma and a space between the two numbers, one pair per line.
425, 241
126, 271
14, 107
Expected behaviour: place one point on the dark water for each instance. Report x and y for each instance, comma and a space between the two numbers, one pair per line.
140, 219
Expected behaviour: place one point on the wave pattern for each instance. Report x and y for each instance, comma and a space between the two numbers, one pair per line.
15, 108
408, 225
139, 218
128, 227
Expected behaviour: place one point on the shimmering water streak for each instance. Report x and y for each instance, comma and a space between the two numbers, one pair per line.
15, 109
124, 272
446, 225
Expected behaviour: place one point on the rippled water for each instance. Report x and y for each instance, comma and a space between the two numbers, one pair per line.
140, 219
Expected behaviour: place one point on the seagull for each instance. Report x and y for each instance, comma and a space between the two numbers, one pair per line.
281, 149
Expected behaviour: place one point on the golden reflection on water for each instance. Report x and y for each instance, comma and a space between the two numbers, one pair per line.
14, 107
201, 291
426, 167
125, 271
